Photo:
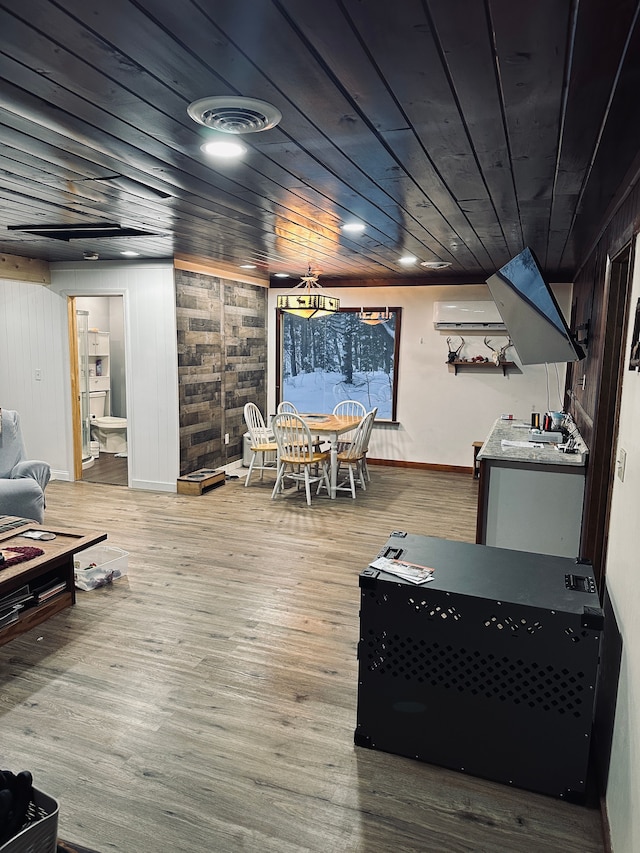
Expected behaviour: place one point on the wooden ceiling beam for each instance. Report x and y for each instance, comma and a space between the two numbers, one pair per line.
15, 268
220, 269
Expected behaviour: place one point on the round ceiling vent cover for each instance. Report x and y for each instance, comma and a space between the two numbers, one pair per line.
234, 114
436, 265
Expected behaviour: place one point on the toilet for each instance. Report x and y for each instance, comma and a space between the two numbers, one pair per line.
109, 432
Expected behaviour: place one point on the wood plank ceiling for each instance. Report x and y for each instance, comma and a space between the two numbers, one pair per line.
455, 130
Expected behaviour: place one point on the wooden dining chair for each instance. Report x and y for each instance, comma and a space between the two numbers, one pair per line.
297, 456
353, 457
367, 439
286, 406
263, 443
348, 409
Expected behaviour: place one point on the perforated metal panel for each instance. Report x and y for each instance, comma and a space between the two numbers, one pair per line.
498, 688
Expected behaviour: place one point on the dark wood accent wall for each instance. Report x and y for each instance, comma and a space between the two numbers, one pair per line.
245, 357
222, 364
591, 295
601, 298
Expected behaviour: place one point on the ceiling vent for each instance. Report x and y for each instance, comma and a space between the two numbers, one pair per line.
81, 232
234, 114
131, 186
435, 265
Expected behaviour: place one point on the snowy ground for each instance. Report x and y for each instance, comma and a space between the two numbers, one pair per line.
319, 392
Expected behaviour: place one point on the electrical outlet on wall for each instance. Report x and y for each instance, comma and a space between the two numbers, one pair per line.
622, 463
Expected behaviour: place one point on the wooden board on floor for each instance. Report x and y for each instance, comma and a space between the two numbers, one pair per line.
200, 481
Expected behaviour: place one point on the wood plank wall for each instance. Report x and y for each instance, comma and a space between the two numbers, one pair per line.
222, 364
596, 302
591, 302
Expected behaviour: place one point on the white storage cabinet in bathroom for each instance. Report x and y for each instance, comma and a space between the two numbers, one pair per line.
99, 366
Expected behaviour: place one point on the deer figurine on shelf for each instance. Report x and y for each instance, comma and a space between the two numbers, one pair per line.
497, 355
454, 354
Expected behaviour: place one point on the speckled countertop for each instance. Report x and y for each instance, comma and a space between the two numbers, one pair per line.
518, 430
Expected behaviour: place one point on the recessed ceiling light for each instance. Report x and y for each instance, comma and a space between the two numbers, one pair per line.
407, 260
436, 265
353, 227
223, 148
281, 275
247, 266
129, 253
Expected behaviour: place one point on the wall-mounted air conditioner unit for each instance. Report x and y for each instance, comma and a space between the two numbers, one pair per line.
481, 316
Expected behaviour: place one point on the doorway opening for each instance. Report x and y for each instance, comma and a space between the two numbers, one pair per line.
101, 435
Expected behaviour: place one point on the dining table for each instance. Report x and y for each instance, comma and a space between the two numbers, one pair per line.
331, 427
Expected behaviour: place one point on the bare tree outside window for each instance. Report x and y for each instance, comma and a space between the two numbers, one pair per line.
327, 359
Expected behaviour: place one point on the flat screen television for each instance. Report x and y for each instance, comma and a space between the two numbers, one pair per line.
531, 314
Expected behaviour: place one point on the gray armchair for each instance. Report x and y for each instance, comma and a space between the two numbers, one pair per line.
22, 480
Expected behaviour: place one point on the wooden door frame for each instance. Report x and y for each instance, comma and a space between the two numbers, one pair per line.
74, 369
602, 453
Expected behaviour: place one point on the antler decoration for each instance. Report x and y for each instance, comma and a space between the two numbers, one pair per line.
497, 355
503, 350
454, 353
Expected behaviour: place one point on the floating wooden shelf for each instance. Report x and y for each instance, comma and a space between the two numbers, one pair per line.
503, 364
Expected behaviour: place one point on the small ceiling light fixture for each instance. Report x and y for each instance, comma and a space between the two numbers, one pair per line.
281, 275
436, 265
354, 227
408, 260
223, 148
374, 318
129, 253
90, 256
247, 266
307, 299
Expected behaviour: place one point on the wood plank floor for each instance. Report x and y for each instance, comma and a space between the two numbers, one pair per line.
109, 469
207, 702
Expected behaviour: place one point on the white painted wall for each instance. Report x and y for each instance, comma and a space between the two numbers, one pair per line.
33, 337
623, 794
99, 311
440, 414
33, 324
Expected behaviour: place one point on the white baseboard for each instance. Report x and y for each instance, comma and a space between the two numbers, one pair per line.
151, 486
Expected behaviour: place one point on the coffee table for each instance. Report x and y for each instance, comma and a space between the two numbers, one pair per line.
53, 570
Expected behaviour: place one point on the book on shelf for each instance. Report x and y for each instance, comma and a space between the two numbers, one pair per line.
9, 615
47, 591
22, 596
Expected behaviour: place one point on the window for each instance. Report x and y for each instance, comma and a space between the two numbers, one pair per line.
338, 357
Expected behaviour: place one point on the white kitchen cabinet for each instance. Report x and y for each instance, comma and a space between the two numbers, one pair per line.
530, 497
